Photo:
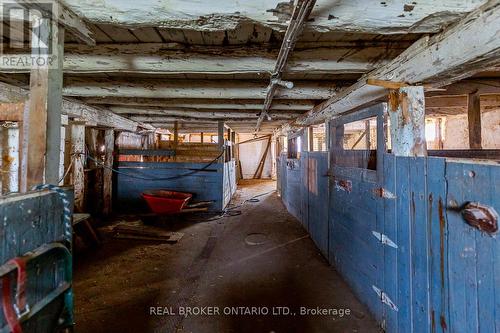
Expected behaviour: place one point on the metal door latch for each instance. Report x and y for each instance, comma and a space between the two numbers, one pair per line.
482, 217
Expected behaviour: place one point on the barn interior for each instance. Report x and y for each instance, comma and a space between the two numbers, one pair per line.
250, 166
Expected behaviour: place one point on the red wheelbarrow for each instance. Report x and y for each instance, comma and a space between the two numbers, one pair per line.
166, 202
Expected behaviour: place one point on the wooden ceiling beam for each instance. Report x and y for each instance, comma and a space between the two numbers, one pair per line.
95, 116
157, 59
196, 113
460, 101
202, 89
199, 103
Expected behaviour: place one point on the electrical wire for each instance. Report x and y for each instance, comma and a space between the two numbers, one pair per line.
190, 173
235, 210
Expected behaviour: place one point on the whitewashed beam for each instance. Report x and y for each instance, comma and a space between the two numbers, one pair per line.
164, 118
12, 94
217, 104
226, 89
460, 51
159, 59
93, 115
64, 16
195, 113
355, 16
99, 117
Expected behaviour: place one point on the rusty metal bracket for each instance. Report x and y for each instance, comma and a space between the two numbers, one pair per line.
482, 217
384, 298
383, 193
343, 185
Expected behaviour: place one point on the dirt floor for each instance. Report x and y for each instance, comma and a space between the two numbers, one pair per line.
261, 261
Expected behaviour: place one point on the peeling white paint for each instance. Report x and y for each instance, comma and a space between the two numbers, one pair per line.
395, 16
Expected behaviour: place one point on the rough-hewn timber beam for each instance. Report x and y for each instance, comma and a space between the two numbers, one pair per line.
458, 52
460, 101
196, 113
100, 117
226, 89
157, 119
356, 16
199, 103
160, 59
93, 115
468, 86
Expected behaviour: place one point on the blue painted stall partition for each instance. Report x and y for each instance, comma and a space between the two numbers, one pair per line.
317, 198
214, 183
442, 275
303, 185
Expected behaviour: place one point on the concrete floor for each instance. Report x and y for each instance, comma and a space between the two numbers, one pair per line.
261, 258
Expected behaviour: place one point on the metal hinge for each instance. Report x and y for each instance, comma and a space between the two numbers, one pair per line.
384, 239
385, 299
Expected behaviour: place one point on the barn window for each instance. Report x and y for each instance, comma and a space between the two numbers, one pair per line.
294, 147
317, 137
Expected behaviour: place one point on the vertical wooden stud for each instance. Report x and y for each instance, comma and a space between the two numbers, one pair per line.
220, 139
77, 152
109, 144
42, 116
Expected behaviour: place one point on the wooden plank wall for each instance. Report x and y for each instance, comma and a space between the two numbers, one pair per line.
205, 185
444, 275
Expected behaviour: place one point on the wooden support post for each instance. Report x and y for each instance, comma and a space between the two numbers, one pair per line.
220, 139
77, 152
176, 138
42, 115
474, 118
54, 104
9, 143
367, 134
262, 162
407, 115
176, 134
310, 138
233, 144
109, 144
201, 137
439, 133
